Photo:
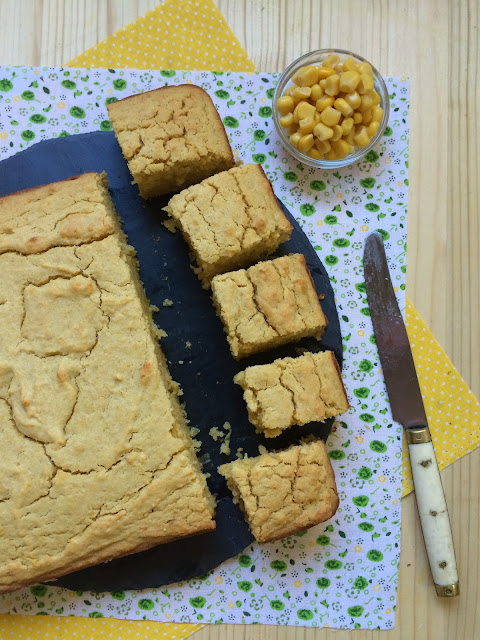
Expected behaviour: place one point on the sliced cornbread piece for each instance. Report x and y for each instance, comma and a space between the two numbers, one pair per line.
230, 220
97, 460
284, 492
293, 391
269, 304
172, 137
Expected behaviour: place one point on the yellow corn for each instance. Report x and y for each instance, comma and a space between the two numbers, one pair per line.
325, 72
323, 145
347, 126
301, 93
305, 143
287, 120
322, 131
322, 83
350, 138
324, 102
367, 116
375, 98
317, 92
342, 148
337, 133
306, 76
285, 104
341, 105
339, 68
331, 60
330, 116
364, 67
350, 65
307, 125
304, 110
331, 155
332, 85
373, 128
366, 84
366, 102
349, 81
357, 118
288, 90
294, 138
377, 114
315, 154
316, 117
362, 138
353, 99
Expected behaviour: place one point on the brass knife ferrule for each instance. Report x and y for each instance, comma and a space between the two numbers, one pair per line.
448, 590
418, 435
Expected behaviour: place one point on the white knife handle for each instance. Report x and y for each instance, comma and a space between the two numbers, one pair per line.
433, 512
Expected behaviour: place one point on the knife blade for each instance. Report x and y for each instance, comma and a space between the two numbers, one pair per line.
407, 408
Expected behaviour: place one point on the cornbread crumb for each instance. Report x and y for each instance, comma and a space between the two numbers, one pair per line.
167, 303
230, 220
293, 391
97, 461
269, 304
170, 225
285, 492
171, 137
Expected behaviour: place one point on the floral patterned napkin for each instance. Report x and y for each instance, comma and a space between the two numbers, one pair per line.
343, 573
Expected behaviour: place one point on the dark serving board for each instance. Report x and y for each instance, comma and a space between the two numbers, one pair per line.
211, 398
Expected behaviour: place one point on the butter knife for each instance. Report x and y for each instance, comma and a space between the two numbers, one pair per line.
407, 409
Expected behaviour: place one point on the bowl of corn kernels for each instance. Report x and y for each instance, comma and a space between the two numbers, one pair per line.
330, 108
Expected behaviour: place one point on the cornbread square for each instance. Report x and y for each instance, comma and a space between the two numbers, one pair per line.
284, 492
293, 391
97, 461
230, 220
269, 304
171, 137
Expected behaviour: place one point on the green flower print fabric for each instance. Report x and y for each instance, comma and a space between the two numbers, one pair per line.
342, 573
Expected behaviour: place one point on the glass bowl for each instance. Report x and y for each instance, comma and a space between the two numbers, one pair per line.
316, 58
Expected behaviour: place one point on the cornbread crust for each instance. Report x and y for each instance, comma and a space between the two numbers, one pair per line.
230, 220
269, 304
97, 461
285, 492
293, 391
172, 137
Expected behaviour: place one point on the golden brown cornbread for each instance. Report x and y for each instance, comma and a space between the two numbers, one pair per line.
293, 391
269, 304
96, 457
172, 137
284, 492
230, 220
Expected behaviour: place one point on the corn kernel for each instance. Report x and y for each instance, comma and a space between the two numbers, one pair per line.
350, 65
342, 106
331, 61
325, 72
306, 76
353, 99
362, 138
347, 126
317, 117
377, 114
288, 90
322, 131
324, 102
307, 125
287, 120
331, 155
317, 92
350, 137
304, 110
301, 93
342, 148
339, 68
367, 116
373, 128
294, 138
305, 143
349, 81
330, 116
337, 133
375, 98
364, 67
332, 85
315, 154
322, 84
357, 118
366, 102
366, 84
285, 104
322, 145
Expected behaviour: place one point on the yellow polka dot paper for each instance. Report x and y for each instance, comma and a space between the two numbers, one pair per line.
178, 34
453, 412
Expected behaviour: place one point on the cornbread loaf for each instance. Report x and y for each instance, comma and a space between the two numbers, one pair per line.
269, 304
230, 220
172, 137
97, 461
284, 492
293, 391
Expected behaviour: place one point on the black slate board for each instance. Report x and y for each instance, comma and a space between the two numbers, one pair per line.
211, 398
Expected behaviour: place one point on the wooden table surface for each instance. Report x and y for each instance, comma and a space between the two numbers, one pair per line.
435, 43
